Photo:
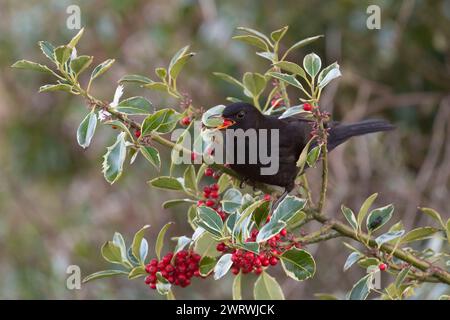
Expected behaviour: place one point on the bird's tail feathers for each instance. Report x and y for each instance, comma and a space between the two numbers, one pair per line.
342, 132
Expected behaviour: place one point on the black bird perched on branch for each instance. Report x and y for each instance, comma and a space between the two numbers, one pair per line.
294, 134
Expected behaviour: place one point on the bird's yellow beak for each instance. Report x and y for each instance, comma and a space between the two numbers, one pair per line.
226, 123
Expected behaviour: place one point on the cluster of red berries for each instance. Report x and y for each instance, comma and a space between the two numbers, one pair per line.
177, 270
211, 195
247, 262
186, 121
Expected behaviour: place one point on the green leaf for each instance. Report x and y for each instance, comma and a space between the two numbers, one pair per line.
288, 208
177, 56
182, 242
228, 78
260, 214
119, 124
62, 55
86, 129
161, 73
312, 64
419, 234
277, 35
269, 230
296, 220
249, 246
236, 289
206, 265
160, 239
388, 236
256, 33
247, 212
292, 68
101, 68
135, 106
401, 277
433, 214
47, 49
172, 203
447, 230
114, 158
361, 289
379, 217
267, 55
210, 220
329, 73
351, 259
190, 178
152, 155
368, 263
159, 86
222, 266
254, 83
252, 40
350, 216
162, 286
104, 274
206, 244
292, 111
365, 208
81, 63
55, 87
213, 116
287, 78
231, 200
301, 43
29, 65
137, 272
175, 69
162, 121
325, 296
313, 155
111, 252
136, 244
298, 264
76, 38
120, 242
135, 78
165, 182
267, 288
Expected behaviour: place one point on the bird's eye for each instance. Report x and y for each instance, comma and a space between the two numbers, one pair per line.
241, 114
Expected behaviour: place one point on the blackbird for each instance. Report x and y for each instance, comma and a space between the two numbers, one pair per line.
294, 134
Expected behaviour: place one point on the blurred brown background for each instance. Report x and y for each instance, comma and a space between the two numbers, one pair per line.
56, 208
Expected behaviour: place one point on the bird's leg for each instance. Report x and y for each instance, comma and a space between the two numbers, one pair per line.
243, 182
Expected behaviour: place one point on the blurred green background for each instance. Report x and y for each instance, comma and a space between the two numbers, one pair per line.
56, 209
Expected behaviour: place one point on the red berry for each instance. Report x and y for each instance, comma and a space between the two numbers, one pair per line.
137, 133
215, 187
193, 156
267, 197
265, 262
210, 203
154, 262
258, 270
382, 266
283, 233
207, 190
209, 172
307, 107
153, 286
186, 121
152, 270
200, 203
196, 273
148, 280
214, 195
216, 175
221, 247
235, 270
273, 261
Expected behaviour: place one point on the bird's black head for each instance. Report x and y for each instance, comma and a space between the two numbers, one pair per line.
240, 115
